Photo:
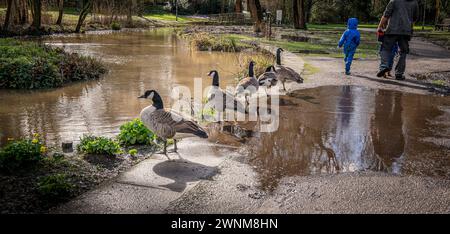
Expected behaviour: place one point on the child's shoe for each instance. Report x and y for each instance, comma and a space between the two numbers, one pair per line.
348, 73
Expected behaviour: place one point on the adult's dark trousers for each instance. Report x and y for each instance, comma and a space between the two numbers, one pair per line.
388, 43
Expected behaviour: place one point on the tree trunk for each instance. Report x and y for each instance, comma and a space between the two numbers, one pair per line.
238, 6
61, 12
438, 12
140, 7
8, 15
87, 4
130, 12
222, 6
299, 14
256, 12
23, 11
37, 10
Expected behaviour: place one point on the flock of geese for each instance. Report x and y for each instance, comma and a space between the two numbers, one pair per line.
167, 124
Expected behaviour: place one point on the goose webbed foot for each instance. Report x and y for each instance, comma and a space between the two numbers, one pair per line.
165, 151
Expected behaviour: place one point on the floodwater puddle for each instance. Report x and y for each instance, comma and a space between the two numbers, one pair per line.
340, 129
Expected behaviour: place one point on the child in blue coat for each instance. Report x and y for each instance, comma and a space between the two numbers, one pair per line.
350, 40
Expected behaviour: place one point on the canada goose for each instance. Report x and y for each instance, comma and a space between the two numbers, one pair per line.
268, 78
285, 73
168, 124
228, 100
249, 85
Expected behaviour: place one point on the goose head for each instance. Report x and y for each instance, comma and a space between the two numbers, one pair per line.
279, 51
270, 69
215, 76
155, 97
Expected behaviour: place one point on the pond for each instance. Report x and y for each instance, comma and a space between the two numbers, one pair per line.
138, 61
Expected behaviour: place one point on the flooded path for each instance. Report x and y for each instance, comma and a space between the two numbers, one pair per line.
325, 130
336, 129
138, 61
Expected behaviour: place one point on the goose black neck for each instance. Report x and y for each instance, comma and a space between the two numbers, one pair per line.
216, 80
279, 58
158, 102
251, 72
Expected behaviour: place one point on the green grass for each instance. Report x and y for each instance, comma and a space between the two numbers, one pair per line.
68, 17
168, 17
310, 69
323, 43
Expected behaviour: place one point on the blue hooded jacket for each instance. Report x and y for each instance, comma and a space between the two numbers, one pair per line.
351, 37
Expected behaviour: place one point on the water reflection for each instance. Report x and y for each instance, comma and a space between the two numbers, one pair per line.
387, 131
348, 129
139, 60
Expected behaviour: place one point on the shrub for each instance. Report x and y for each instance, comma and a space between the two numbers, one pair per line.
55, 187
135, 133
116, 26
21, 154
99, 146
28, 65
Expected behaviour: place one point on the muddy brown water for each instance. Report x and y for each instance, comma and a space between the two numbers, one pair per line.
138, 61
341, 129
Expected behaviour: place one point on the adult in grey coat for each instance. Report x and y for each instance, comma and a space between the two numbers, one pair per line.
397, 26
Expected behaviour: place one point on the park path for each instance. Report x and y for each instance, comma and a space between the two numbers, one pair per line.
151, 185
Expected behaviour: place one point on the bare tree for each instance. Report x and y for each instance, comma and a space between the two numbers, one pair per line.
37, 11
8, 15
238, 6
130, 12
61, 12
87, 5
299, 14
256, 12
438, 11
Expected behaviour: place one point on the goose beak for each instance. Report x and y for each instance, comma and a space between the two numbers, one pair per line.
143, 96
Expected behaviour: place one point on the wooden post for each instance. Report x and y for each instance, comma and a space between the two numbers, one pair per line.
67, 147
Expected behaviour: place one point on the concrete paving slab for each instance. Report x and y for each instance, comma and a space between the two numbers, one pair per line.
150, 186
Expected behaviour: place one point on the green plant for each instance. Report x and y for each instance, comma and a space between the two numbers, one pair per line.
99, 146
21, 154
133, 152
28, 65
55, 186
58, 156
116, 26
439, 82
135, 133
